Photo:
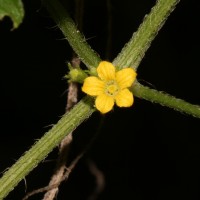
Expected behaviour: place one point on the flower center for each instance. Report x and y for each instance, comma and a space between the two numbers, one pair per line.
111, 88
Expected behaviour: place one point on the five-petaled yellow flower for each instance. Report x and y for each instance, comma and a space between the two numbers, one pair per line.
110, 87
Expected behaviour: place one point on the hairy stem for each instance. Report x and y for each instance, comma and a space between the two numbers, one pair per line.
165, 100
131, 55
65, 144
134, 51
45, 145
72, 34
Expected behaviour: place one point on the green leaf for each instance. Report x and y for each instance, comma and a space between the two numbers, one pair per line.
13, 9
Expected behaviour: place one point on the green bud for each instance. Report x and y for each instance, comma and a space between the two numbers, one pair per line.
76, 75
93, 71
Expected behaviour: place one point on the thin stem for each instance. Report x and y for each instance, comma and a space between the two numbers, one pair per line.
45, 145
166, 100
79, 13
109, 30
134, 51
77, 41
131, 56
65, 176
72, 99
66, 142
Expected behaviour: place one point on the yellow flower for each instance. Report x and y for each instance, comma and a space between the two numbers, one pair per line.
110, 87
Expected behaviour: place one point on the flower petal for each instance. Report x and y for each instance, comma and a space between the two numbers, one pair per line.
106, 71
125, 77
124, 98
93, 86
104, 103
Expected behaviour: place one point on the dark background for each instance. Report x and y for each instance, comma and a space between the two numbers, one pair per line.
145, 152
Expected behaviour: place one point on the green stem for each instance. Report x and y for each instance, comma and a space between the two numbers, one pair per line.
158, 97
165, 100
45, 145
134, 51
72, 34
131, 56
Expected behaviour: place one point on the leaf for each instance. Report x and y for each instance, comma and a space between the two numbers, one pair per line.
13, 9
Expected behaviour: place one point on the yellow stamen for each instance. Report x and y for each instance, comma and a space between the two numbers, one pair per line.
111, 88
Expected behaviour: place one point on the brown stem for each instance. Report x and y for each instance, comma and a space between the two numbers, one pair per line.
56, 184
99, 179
100, 182
65, 145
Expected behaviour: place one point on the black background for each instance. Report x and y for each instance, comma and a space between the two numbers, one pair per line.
145, 152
